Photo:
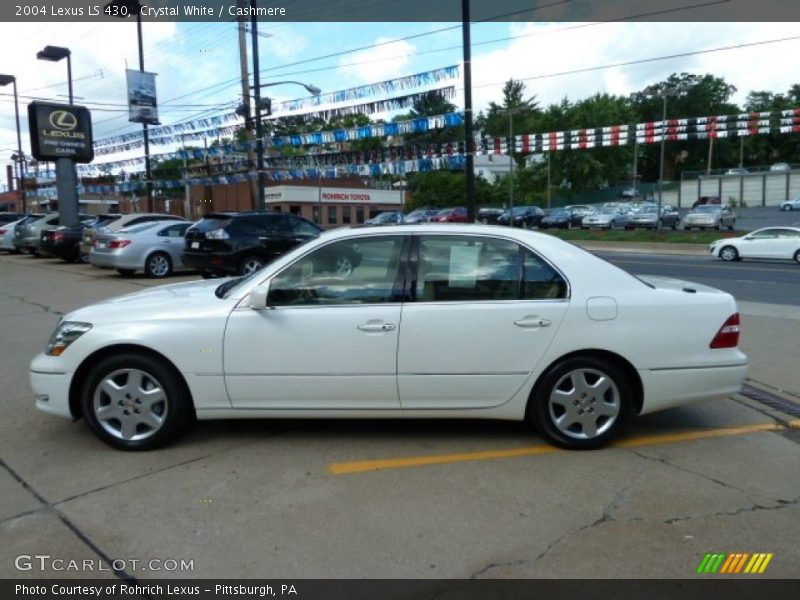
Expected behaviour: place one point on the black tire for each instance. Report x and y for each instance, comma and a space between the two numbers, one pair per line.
787, 207
543, 413
248, 264
732, 226
729, 253
797, 257
126, 272
207, 275
173, 414
612, 225
158, 265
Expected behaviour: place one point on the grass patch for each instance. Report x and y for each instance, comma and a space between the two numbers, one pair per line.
643, 236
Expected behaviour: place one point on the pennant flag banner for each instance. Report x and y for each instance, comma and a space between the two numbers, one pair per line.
392, 86
396, 128
295, 107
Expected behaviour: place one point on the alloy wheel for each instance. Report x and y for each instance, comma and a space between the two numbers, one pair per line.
584, 404
158, 265
130, 404
728, 253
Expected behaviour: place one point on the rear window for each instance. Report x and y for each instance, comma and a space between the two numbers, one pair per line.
137, 228
210, 224
104, 220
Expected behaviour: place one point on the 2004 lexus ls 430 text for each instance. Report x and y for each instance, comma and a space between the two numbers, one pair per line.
435, 321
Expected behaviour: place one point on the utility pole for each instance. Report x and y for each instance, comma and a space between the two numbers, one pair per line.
710, 152
261, 200
469, 146
548, 178
246, 95
635, 166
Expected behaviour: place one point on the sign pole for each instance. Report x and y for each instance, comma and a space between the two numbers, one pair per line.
66, 185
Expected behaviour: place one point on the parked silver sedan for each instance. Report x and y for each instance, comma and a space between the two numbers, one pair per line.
710, 216
154, 247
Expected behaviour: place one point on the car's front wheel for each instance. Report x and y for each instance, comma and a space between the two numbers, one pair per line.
787, 207
581, 403
344, 266
797, 257
729, 253
134, 402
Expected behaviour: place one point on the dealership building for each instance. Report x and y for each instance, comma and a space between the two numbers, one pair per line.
333, 206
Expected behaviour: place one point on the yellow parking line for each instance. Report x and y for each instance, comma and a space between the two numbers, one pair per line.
363, 466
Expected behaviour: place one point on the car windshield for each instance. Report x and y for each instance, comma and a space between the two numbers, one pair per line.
708, 209
445, 212
560, 213
137, 228
606, 211
388, 216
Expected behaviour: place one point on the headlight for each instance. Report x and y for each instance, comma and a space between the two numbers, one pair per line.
65, 333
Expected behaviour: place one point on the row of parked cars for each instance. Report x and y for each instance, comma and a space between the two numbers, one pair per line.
613, 215
158, 244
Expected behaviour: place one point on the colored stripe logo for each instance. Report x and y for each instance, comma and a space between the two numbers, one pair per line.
734, 563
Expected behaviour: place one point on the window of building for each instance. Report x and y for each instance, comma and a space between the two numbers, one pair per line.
346, 215
316, 217
296, 209
359, 214
332, 216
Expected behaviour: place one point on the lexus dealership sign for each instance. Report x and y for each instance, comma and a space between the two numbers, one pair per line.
60, 131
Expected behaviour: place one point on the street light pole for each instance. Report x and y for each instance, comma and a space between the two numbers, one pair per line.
259, 127
5, 80
511, 167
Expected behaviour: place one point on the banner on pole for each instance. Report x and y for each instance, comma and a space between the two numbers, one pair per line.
142, 105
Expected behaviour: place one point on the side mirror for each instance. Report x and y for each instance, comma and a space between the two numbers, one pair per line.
258, 297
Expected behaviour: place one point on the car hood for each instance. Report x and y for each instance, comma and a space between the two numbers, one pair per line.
177, 300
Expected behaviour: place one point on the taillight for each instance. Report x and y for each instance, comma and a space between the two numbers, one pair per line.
728, 334
58, 236
2, 231
114, 244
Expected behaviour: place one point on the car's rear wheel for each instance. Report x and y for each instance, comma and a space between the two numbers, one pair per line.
729, 253
581, 403
134, 402
797, 257
787, 207
158, 265
250, 264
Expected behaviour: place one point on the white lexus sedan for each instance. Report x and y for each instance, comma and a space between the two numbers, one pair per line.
777, 243
436, 321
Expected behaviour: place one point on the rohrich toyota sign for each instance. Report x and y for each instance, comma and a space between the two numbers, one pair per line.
60, 131
302, 194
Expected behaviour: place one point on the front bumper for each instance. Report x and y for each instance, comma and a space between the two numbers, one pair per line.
50, 388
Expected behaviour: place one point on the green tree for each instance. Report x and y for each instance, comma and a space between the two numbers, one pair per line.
515, 104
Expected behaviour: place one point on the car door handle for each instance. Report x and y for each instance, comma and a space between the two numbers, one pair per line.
532, 322
374, 327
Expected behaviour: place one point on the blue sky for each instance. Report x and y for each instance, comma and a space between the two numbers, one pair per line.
194, 60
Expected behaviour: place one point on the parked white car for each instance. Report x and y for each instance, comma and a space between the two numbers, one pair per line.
769, 242
792, 204
436, 321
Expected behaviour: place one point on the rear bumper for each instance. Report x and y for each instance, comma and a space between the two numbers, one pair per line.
667, 388
110, 260
227, 264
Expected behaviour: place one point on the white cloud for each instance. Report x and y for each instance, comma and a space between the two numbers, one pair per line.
387, 61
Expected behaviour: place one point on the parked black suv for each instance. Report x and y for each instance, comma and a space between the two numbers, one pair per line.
240, 243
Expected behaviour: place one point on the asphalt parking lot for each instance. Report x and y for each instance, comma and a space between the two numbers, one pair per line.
386, 499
